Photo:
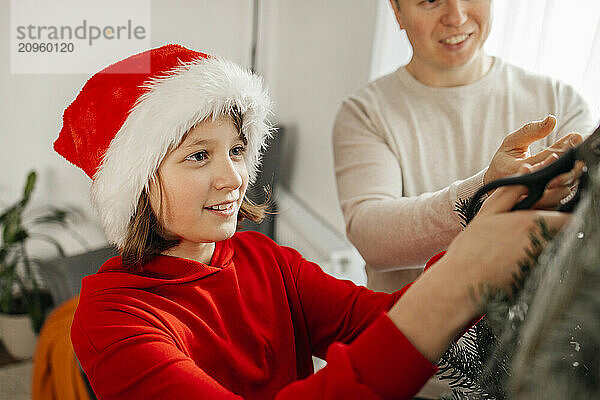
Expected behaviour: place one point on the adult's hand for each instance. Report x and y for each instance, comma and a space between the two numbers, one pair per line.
559, 187
514, 152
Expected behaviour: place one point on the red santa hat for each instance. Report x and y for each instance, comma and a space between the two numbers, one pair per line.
122, 123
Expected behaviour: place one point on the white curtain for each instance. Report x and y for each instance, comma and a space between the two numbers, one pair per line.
560, 38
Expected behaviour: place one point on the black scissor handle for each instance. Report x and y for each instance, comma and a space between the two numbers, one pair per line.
535, 182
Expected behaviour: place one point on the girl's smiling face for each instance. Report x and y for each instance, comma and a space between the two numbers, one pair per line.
202, 185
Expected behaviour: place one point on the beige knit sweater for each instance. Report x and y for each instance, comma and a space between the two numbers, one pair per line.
405, 152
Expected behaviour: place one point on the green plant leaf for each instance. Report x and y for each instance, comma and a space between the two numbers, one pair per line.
5, 300
3, 255
6, 214
64, 218
30, 277
13, 231
6, 293
55, 216
20, 289
8, 269
28, 189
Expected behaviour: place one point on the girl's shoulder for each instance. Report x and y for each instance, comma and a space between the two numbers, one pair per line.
253, 237
255, 245
253, 240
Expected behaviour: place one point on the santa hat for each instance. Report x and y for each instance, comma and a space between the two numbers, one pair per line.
122, 123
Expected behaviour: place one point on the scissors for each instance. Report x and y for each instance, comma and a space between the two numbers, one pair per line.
587, 151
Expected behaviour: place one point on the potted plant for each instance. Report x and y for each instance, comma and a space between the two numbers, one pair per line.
24, 302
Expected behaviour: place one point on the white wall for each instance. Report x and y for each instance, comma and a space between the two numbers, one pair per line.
313, 53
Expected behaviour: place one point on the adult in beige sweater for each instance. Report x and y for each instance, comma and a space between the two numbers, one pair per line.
410, 144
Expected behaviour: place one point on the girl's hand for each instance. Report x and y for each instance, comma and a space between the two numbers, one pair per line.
487, 253
496, 240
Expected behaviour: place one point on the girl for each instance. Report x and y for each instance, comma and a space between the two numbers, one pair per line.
191, 309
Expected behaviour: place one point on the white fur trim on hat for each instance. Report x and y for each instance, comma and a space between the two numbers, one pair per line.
172, 105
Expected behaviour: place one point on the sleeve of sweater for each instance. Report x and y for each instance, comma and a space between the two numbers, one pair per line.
368, 357
575, 114
380, 364
388, 229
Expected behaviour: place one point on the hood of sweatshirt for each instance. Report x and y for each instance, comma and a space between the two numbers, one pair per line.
160, 270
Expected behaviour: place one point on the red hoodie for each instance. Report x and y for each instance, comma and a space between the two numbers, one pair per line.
244, 326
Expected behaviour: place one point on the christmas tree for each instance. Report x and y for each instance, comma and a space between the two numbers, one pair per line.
545, 343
